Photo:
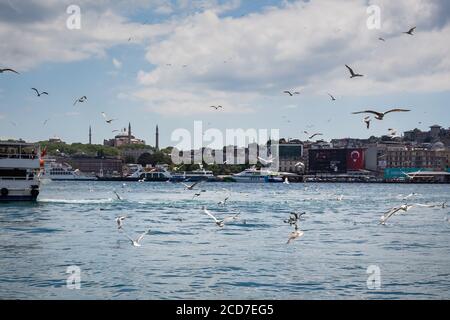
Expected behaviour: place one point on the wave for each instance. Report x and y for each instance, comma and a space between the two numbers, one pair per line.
80, 201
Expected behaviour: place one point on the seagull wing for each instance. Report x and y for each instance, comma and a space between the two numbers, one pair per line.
396, 110
142, 236
351, 70
11, 70
37, 92
206, 211
370, 111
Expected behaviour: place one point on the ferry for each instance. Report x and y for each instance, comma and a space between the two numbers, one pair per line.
194, 176
63, 172
254, 175
139, 174
20, 165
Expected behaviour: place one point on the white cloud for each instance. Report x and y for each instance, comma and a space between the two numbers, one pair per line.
117, 64
300, 45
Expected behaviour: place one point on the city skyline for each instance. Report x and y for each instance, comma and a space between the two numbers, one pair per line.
139, 64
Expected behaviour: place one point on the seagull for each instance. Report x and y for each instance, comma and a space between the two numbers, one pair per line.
109, 121
291, 93
314, 135
286, 181
294, 217
81, 100
393, 133
393, 211
352, 73
117, 195
411, 31
340, 198
9, 70
381, 115
39, 93
294, 235
381, 39
220, 223
191, 187
300, 165
196, 195
367, 120
45, 122
224, 202
266, 162
119, 221
136, 242
216, 107
332, 97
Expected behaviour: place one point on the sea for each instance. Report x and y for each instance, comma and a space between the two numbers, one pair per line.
67, 245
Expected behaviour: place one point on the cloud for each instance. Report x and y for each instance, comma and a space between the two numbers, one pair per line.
303, 45
117, 64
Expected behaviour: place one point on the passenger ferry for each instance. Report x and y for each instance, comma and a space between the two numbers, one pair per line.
140, 174
63, 172
254, 175
193, 176
20, 165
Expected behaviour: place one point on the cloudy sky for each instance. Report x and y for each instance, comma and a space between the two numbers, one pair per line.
165, 62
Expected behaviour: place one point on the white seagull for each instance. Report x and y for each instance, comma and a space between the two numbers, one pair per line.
395, 210
221, 223
120, 221
136, 242
294, 235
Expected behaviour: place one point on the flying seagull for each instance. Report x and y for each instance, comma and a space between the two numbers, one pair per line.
294, 235
291, 93
136, 242
119, 221
367, 120
395, 211
266, 162
381, 39
39, 93
294, 217
9, 70
300, 165
314, 135
352, 73
81, 100
106, 118
380, 115
192, 186
117, 195
45, 122
221, 223
411, 31
216, 107
332, 97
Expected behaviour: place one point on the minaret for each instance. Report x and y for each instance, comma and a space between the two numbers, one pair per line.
90, 135
129, 133
157, 139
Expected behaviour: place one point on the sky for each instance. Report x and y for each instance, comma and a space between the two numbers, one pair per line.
165, 62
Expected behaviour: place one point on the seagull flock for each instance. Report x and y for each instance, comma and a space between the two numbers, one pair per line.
293, 220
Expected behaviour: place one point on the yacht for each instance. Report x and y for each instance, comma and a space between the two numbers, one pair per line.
139, 174
62, 172
254, 175
20, 164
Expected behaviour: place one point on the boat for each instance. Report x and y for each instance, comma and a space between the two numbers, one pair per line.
63, 172
194, 176
139, 174
254, 175
20, 165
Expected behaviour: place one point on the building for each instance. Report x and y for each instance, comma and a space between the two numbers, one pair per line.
335, 161
133, 155
124, 138
417, 158
96, 165
290, 154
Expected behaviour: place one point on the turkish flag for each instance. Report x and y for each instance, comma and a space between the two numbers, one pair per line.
355, 159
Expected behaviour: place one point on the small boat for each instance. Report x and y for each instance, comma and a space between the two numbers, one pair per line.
20, 165
139, 174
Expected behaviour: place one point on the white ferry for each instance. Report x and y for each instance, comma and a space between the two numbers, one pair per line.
254, 175
19, 171
62, 172
193, 176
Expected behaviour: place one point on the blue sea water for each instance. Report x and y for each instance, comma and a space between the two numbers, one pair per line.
186, 256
